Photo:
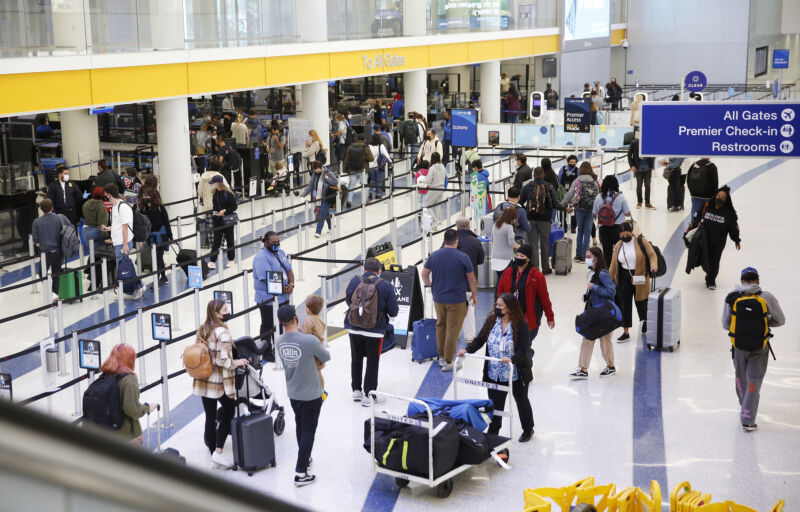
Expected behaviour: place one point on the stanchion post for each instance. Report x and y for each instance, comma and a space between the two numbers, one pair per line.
238, 233
363, 183
32, 253
283, 209
246, 295
363, 242
197, 244
398, 251
164, 386
324, 290
252, 217
104, 282
602, 154
154, 259
197, 319
275, 331
220, 269
47, 299
62, 350
81, 254
121, 311
138, 251
180, 232
173, 281
330, 257
76, 389
300, 248
140, 341
92, 270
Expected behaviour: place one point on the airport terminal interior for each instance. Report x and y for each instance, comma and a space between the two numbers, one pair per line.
185, 183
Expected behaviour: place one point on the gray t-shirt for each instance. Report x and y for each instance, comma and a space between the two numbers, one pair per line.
276, 153
297, 352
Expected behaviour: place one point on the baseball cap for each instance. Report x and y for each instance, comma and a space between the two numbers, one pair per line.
286, 313
748, 270
217, 179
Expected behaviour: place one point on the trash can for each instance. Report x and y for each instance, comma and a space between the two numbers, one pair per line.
52, 360
487, 278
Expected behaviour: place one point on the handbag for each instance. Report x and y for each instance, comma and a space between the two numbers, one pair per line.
230, 219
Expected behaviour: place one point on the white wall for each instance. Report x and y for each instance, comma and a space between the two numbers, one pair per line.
670, 38
790, 17
577, 68
618, 60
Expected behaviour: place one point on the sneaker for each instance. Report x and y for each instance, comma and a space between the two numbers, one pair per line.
578, 259
547, 271
138, 293
357, 395
625, 337
579, 375
441, 361
211, 264
304, 479
711, 286
750, 428
649, 206
638, 205
448, 367
317, 235
55, 297
366, 402
608, 371
219, 460
230, 264
526, 436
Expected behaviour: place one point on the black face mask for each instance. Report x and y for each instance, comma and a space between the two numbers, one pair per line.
498, 312
626, 239
226, 317
520, 261
719, 202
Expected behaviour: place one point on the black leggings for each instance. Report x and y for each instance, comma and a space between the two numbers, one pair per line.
626, 293
229, 242
214, 436
609, 236
520, 392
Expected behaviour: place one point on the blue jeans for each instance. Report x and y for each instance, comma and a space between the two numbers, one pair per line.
697, 205
355, 177
413, 151
584, 232
512, 118
92, 234
324, 211
375, 182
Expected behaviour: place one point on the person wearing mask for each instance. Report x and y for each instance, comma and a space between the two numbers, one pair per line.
300, 354
483, 176
636, 114
566, 175
630, 272
642, 168
719, 220
505, 83
412, 134
367, 342
376, 167
105, 176
703, 182
205, 190
271, 258
228, 158
514, 200
453, 273
219, 389
65, 195
240, 132
340, 136
750, 366
523, 172
210, 145
160, 230
677, 182
523, 280
587, 90
506, 336
611, 196
323, 194
398, 107
121, 365
447, 137
599, 289
276, 147
379, 130
512, 104
150, 183
539, 199
431, 145
94, 216
435, 180
614, 92
504, 244
469, 244
551, 97
131, 181
121, 227
356, 162
224, 217
47, 238
583, 205
313, 146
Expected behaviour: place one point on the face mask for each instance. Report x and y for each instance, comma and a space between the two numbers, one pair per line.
226, 317
498, 312
66, 177
520, 261
274, 247
626, 239
719, 202
589, 262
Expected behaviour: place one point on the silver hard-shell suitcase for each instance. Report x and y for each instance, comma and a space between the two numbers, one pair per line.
562, 256
663, 319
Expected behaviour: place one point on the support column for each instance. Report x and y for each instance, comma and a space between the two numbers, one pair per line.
315, 109
416, 91
80, 140
311, 19
490, 91
164, 16
174, 164
465, 74
415, 22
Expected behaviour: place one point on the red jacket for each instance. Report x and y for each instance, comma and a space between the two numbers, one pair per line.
535, 292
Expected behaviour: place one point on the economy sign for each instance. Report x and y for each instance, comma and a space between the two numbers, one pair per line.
780, 59
577, 117
726, 128
465, 128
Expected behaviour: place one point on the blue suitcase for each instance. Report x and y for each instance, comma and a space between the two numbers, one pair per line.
556, 234
423, 341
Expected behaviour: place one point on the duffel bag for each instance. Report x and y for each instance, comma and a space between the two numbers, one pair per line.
599, 320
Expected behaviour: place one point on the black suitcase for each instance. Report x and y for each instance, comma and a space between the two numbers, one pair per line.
187, 257
253, 440
202, 225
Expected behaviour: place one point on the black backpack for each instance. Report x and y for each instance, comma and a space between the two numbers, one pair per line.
539, 200
410, 132
349, 135
235, 161
356, 158
321, 156
661, 268
102, 404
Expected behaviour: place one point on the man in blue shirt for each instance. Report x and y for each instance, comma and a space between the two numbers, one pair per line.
452, 273
447, 140
398, 107
271, 258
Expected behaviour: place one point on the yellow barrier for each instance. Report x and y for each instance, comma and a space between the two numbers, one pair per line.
727, 506
778, 506
561, 496
650, 503
684, 499
608, 494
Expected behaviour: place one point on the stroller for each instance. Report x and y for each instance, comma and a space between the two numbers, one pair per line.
280, 182
252, 395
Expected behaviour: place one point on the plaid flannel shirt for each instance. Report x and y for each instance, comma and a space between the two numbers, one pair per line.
223, 378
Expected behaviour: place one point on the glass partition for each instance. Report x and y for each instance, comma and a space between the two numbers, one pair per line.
228, 23
447, 16
32, 28
365, 19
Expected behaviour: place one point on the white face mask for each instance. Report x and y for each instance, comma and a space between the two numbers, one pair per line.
65, 177
589, 262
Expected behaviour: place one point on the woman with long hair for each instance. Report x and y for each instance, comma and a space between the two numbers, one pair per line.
505, 334
220, 387
504, 243
224, 219
610, 195
599, 289
580, 198
313, 145
160, 229
719, 220
120, 365
525, 282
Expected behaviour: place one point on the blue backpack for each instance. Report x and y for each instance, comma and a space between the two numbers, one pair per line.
126, 271
599, 320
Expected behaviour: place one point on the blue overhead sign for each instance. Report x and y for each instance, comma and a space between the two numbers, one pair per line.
465, 128
729, 128
780, 59
577, 116
696, 81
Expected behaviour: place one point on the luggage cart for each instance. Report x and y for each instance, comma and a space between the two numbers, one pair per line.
444, 483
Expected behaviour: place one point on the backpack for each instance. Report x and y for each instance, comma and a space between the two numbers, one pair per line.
141, 227
749, 328
696, 177
235, 160
661, 266
382, 159
587, 191
70, 243
102, 403
321, 156
126, 274
349, 135
364, 304
538, 199
408, 131
356, 158
605, 215
197, 361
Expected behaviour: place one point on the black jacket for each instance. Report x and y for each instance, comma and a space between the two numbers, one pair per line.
158, 218
719, 224
469, 244
523, 353
70, 197
224, 200
634, 160
524, 173
109, 176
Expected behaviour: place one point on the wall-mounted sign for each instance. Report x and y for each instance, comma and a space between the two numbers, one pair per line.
780, 59
382, 60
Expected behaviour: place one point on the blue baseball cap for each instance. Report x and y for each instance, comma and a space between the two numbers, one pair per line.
748, 270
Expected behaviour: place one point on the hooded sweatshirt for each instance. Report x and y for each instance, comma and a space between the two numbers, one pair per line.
719, 224
776, 316
583, 178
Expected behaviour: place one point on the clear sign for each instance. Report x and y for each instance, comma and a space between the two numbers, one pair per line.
780, 59
577, 116
162, 326
6, 392
725, 128
195, 276
274, 282
89, 354
465, 128
696, 81
226, 297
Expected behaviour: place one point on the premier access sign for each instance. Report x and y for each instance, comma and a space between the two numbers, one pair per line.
723, 128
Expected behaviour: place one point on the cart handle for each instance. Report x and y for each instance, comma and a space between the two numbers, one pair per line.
510, 385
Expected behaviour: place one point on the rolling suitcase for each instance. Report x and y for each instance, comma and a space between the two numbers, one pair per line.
423, 339
172, 453
202, 225
187, 257
663, 319
253, 439
556, 233
70, 285
562, 256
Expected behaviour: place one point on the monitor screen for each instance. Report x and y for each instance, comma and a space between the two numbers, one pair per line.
586, 19
101, 110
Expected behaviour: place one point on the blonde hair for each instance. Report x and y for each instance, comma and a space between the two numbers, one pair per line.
314, 136
239, 118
